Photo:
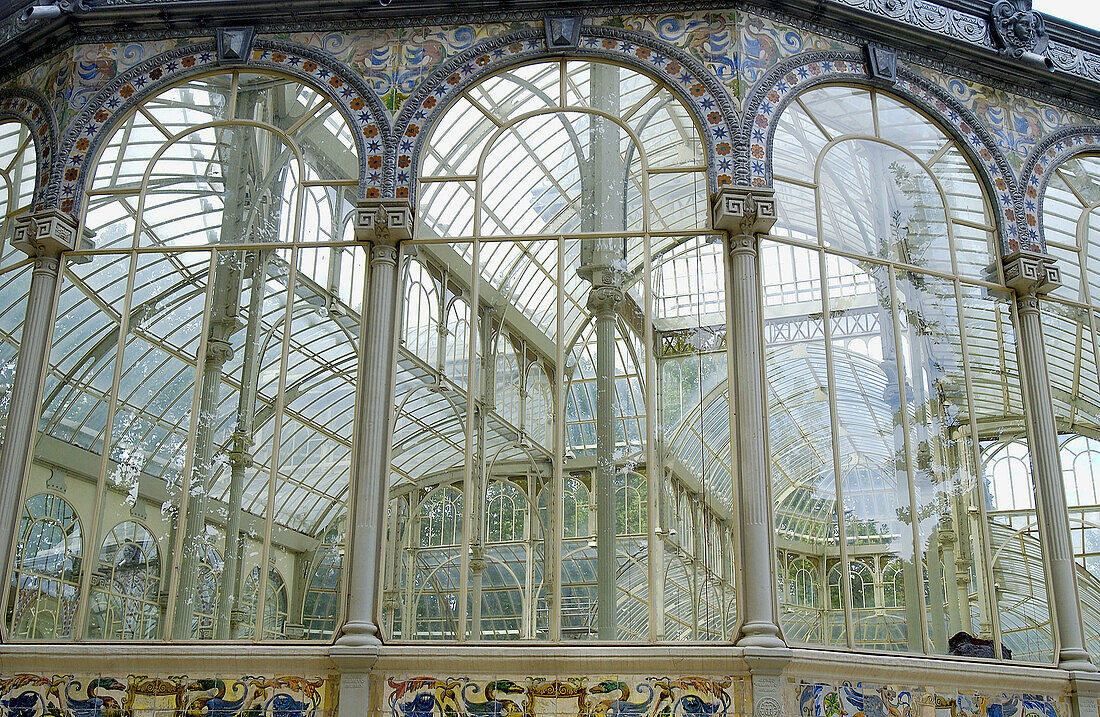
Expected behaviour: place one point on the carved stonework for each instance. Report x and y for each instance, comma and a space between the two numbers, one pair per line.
882, 62
235, 43
562, 31
383, 220
44, 234
1018, 28
744, 211
1030, 273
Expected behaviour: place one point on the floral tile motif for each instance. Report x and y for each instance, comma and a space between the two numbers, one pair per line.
764, 43
1018, 123
394, 61
1048, 156
711, 38
28, 695
610, 696
848, 699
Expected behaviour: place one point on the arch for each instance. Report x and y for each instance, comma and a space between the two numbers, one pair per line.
129, 559
46, 571
776, 89
31, 108
1048, 155
346, 90
696, 87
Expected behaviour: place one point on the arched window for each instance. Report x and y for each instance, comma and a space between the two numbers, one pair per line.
457, 360
505, 512
210, 586
205, 351
421, 335
889, 349
320, 607
126, 600
275, 604
540, 407
441, 518
631, 503
545, 193
46, 578
508, 382
803, 583
575, 512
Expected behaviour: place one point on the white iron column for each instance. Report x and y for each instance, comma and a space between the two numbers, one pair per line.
383, 223
42, 235
1032, 275
745, 213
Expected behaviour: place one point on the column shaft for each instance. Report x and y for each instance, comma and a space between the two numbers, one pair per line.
23, 405
606, 317
744, 213
384, 224
759, 626
1050, 496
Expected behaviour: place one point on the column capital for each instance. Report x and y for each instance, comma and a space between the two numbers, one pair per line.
383, 221
45, 233
743, 211
1030, 273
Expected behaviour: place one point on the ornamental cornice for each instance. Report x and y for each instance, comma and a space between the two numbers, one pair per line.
923, 17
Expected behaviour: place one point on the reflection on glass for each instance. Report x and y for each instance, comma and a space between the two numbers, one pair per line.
561, 459
200, 391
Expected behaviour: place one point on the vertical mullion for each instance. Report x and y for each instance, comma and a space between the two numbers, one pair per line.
838, 482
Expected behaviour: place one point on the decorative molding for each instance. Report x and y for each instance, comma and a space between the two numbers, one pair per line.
32, 109
1030, 273
882, 62
744, 211
778, 87
45, 233
1019, 30
340, 84
563, 31
235, 43
1055, 149
701, 92
385, 221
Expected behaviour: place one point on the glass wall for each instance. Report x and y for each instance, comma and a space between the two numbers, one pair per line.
890, 363
1071, 226
18, 169
199, 396
561, 465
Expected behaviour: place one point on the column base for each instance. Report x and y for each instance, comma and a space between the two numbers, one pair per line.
760, 634
1075, 661
1084, 694
359, 634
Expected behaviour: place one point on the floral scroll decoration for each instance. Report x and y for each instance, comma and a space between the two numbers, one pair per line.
28, 695
699, 89
847, 698
779, 86
360, 106
1047, 156
32, 109
573, 697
